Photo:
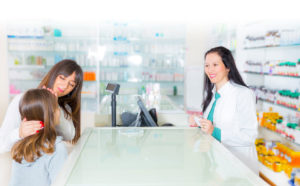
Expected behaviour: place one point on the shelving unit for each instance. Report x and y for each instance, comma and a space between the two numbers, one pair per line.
279, 105
267, 74
277, 46
273, 136
137, 56
131, 54
30, 58
263, 43
277, 178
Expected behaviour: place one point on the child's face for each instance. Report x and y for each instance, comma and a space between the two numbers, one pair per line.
56, 116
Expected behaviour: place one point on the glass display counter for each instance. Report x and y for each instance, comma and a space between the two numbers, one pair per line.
162, 103
152, 156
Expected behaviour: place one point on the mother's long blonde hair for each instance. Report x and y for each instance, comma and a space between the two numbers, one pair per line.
41, 105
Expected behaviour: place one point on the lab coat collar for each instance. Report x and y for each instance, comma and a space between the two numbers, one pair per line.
223, 89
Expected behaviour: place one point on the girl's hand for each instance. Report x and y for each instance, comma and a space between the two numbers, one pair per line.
206, 126
50, 90
28, 128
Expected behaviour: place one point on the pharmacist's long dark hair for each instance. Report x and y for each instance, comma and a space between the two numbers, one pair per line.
233, 74
66, 67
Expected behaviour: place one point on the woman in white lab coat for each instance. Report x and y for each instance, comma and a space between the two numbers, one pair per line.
65, 81
229, 113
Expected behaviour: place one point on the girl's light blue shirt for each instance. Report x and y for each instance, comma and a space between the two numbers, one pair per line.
42, 171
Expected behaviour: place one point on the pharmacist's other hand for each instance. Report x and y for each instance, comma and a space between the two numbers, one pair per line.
28, 128
50, 90
192, 117
206, 126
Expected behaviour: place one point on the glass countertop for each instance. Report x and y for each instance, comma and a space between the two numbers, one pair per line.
152, 156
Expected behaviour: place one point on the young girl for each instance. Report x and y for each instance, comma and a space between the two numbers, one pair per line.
39, 157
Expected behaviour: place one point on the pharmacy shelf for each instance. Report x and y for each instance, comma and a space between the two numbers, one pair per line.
89, 81
274, 136
88, 96
29, 67
36, 79
52, 38
133, 40
86, 66
142, 82
276, 46
142, 68
277, 178
267, 74
25, 37
178, 100
292, 109
47, 52
26, 80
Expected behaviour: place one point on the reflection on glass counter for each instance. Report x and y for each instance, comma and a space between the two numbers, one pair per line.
153, 156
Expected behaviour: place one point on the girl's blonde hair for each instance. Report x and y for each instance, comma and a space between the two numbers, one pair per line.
41, 105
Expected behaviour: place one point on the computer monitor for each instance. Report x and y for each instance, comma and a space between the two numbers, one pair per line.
147, 117
113, 88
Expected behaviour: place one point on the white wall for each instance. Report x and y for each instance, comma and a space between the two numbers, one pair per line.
197, 43
4, 97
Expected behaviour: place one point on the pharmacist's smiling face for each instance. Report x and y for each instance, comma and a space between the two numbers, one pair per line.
63, 85
215, 68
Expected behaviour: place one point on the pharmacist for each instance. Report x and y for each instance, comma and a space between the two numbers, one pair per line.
229, 107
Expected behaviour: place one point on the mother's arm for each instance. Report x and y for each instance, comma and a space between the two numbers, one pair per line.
13, 129
9, 131
66, 127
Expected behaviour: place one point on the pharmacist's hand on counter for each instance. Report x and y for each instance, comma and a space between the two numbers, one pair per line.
28, 128
206, 126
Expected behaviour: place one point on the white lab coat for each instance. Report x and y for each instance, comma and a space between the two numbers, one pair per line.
235, 115
9, 131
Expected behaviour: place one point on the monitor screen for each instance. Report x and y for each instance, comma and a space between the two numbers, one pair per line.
112, 88
147, 117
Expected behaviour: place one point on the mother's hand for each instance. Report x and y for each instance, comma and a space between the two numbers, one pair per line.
50, 90
206, 126
28, 128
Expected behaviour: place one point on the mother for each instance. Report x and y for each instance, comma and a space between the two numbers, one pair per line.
64, 80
